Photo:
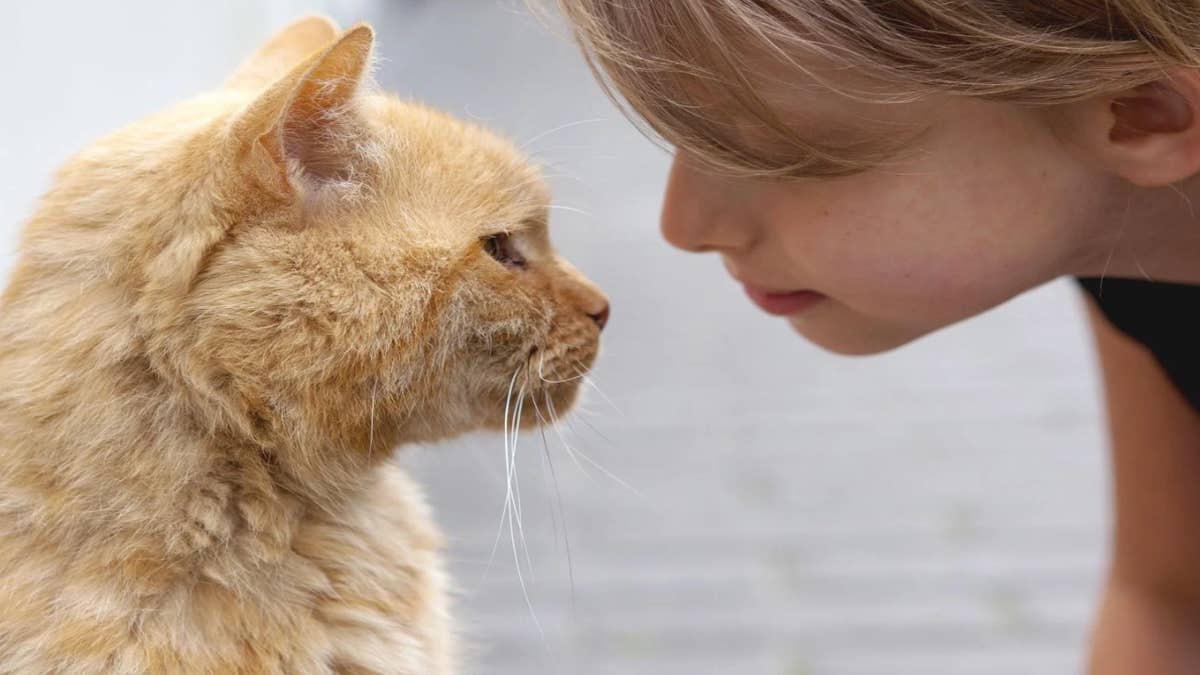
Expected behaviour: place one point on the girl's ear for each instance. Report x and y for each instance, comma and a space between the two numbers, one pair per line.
281, 53
1150, 135
302, 131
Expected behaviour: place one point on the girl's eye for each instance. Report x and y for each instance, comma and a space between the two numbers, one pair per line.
503, 249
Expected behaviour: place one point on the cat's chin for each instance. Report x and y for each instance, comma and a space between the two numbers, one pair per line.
557, 400
541, 407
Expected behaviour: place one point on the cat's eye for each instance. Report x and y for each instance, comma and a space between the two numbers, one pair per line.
503, 249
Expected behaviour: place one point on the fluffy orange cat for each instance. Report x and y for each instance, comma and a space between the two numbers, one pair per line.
223, 319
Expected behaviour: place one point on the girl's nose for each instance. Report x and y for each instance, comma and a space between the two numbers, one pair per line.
697, 210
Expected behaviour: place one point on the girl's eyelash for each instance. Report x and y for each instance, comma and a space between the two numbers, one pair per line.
502, 248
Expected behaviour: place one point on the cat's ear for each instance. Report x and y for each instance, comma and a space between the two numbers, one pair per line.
284, 51
306, 127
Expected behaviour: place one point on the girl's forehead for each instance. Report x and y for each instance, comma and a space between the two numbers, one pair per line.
827, 108
742, 101
812, 92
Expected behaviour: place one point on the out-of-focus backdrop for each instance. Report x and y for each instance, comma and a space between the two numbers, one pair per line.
763, 507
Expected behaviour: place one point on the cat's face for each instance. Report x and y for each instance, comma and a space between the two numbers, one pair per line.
385, 275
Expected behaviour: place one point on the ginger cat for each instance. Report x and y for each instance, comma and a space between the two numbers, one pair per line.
222, 321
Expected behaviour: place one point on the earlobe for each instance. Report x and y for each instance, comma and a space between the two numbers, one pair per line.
1152, 132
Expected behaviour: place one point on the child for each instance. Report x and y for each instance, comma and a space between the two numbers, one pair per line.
873, 171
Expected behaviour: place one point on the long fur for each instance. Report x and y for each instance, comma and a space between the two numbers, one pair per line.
223, 320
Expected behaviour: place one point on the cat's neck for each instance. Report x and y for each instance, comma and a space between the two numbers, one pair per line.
94, 442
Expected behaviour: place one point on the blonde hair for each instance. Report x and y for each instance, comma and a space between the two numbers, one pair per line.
654, 56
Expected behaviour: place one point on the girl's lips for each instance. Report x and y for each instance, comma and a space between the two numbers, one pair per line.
783, 303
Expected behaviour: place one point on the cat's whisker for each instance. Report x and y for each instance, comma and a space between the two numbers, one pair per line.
553, 171
512, 511
516, 511
591, 382
573, 378
594, 430
522, 185
592, 150
562, 127
542, 377
521, 579
506, 512
572, 209
512, 508
606, 472
504, 515
517, 480
566, 446
591, 461
561, 421
562, 515
478, 118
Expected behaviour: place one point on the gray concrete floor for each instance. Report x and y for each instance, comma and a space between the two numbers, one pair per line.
937, 510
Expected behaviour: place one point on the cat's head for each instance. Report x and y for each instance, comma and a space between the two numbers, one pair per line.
325, 265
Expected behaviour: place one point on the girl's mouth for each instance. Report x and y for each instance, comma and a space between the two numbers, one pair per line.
782, 303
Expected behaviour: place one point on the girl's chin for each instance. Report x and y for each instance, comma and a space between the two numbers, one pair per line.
852, 338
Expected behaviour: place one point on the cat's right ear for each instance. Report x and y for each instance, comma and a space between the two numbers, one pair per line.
304, 132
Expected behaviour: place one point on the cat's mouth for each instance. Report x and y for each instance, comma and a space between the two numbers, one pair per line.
547, 386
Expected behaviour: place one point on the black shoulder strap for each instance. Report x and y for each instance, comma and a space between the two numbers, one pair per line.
1164, 317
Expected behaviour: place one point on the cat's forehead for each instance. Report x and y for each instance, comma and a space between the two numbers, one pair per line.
461, 173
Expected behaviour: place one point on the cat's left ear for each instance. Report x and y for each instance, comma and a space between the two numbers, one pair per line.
284, 50
305, 129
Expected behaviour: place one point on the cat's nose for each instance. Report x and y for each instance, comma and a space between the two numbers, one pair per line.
600, 317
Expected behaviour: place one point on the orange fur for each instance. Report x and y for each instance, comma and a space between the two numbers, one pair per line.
223, 319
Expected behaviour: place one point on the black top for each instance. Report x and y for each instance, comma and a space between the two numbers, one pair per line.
1164, 317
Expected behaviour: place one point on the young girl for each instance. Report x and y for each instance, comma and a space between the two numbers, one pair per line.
873, 171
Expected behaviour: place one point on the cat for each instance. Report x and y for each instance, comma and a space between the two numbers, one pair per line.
222, 320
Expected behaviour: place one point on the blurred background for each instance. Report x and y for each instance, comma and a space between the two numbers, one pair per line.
729, 499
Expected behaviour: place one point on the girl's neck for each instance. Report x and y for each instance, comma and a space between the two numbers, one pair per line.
1155, 236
